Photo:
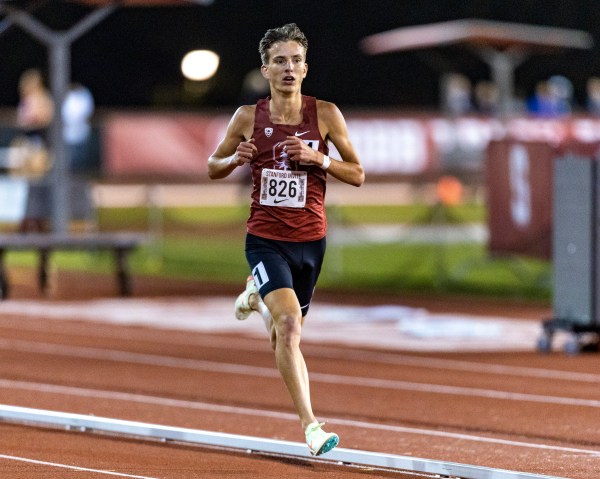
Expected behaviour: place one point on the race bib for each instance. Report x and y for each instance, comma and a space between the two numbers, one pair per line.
283, 188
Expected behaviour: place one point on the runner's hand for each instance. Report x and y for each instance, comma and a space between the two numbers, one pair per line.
244, 153
297, 150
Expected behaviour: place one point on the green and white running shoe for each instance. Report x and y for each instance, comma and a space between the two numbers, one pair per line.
319, 442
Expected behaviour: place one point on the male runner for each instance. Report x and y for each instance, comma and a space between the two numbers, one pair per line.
284, 138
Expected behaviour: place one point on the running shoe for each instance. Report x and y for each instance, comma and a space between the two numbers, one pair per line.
242, 303
319, 442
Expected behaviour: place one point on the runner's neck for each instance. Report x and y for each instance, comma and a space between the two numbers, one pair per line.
286, 110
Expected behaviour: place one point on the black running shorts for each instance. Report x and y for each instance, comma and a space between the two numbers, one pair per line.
285, 264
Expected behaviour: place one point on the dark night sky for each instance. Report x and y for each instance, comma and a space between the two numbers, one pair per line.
132, 58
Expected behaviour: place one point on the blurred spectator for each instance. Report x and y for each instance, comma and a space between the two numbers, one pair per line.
36, 108
561, 94
552, 98
486, 97
456, 94
539, 103
28, 155
593, 96
77, 111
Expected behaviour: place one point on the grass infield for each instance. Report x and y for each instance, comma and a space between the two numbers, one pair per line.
207, 244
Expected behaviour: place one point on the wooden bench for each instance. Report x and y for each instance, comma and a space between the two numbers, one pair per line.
121, 244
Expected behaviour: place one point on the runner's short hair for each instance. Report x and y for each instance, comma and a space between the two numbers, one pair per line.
289, 32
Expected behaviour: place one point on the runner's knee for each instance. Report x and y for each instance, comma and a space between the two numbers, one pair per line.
288, 328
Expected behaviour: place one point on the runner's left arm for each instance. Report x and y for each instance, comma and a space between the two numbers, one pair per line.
349, 170
332, 126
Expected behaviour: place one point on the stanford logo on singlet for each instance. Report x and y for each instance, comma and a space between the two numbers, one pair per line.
268, 132
280, 157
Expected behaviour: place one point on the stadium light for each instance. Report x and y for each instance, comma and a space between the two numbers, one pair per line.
199, 65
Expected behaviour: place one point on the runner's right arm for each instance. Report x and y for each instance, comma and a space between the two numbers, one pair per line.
237, 147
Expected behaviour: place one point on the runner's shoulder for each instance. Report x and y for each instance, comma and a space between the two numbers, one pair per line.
243, 120
327, 111
245, 113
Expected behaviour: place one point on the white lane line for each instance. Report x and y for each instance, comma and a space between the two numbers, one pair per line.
330, 352
271, 447
228, 368
167, 402
455, 365
74, 468
452, 390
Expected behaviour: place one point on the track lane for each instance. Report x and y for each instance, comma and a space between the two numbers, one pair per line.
557, 434
54, 454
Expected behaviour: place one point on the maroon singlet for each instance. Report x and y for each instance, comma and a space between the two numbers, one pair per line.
278, 181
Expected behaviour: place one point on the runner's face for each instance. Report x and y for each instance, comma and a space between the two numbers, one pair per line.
287, 66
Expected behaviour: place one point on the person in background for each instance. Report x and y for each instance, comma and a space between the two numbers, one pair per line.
540, 104
561, 95
77, 111
36, 108
28, 153
284, 140
486, 98
552, 98
593, 96
456, 94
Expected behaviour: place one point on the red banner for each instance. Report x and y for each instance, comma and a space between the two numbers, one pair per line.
388, 143
172, 145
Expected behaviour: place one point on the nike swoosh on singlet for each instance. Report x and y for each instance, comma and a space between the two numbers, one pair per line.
300, 134
279, 201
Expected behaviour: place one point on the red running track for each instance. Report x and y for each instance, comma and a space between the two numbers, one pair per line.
516, 410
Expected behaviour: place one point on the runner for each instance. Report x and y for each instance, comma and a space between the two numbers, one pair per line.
284, 138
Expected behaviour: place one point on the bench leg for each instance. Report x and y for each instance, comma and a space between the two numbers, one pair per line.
4, 287
123, 276
43, 271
